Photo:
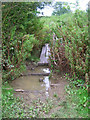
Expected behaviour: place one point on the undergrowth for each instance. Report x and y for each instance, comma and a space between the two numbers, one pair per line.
76, 104
13, 107
78, 96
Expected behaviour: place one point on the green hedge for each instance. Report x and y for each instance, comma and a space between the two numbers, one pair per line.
73, 32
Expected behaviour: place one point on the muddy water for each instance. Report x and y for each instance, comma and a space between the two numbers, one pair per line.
28, 83
32, 83
37, 89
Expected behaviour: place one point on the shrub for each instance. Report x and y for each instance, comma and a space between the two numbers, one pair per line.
74, 34
20, 32
57, 58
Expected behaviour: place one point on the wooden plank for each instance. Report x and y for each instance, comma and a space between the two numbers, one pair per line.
31, 91
39, 74
42, 64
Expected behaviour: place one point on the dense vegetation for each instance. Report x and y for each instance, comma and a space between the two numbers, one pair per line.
24, 33
72, 46
22, 36
61, 8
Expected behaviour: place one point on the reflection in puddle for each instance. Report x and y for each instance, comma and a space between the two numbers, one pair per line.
46, 70
46, 81
28, 83
47, 84
32, 82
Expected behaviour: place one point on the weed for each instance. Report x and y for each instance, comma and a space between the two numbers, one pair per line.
55, 95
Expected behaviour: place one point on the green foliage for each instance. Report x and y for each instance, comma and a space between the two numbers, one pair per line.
45, 34
10, 105
76, 103
16, 108
73, 32
58, 59
55, 95
29, 42
43, 108
61, 8
13, 107
21, 36
78, 95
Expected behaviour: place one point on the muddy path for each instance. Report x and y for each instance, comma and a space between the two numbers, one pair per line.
32, 89
57, 87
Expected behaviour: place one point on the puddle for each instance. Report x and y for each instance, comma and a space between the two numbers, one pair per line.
39, 86
46, 84
37, 89
32, 83
28, 83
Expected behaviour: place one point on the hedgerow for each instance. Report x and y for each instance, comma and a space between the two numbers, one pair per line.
21, 36
73, 36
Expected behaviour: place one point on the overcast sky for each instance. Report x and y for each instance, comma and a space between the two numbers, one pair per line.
82, 5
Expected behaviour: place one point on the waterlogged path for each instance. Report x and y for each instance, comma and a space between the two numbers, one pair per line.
32, 86
42, 87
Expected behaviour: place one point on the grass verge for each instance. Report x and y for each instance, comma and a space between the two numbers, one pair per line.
76, 104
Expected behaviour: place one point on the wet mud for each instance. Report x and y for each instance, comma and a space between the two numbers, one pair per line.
34, 89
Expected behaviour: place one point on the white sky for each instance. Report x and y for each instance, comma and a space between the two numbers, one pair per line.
82, 5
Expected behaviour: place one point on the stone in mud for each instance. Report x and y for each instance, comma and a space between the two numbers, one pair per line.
54, 85
19, 90
32, 68
21, 74
41, 80
35, 64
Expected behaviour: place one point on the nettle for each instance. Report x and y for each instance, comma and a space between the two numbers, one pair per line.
18, 49
76, 43
58, 58
74, 34
19, 32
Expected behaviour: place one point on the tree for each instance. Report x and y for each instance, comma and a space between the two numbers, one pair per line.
20, 33
61, 8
